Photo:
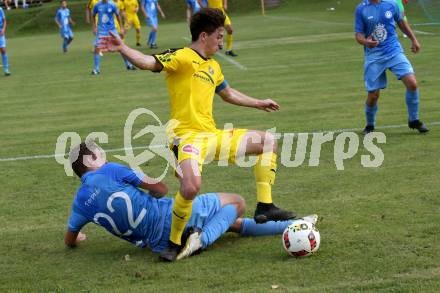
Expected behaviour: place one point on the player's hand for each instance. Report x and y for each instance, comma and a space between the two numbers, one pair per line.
81, 237
163, 16
415, 48
268, 105
110, 43
370, 42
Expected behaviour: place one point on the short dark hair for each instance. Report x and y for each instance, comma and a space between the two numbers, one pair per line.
207, 20
76, 156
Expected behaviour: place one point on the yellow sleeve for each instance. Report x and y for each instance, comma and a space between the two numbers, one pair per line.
170, 60
220, 77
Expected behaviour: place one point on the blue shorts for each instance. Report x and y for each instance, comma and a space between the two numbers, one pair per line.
204, 208
152, 21
66, 33
375, 71
2, 42
100, 34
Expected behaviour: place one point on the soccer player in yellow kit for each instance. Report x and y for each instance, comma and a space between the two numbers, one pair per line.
193, 78
223, 6
132, 19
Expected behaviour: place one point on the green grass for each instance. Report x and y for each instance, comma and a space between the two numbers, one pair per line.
380, 226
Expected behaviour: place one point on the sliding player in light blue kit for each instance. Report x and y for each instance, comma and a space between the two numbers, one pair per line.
63, 20
110, 196
375, 27
106, 12
3, 43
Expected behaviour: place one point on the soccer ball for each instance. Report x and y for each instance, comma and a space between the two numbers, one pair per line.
301, 238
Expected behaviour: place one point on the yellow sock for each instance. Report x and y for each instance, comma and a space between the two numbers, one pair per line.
228, 42
138, 37
182, 210
265, 171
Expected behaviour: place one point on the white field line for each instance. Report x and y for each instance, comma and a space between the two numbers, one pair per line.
36, 157
424, 33
233, 62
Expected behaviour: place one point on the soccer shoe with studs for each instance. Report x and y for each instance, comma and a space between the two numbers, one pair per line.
193, 244
138, 44
419, 125
269, 212
368, 129
95, 72
170, 253
7, 73
131, 67
230, 53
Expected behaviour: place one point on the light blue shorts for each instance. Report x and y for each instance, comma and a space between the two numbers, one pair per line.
375, 71
100, 34
66, 33
152, 21
2, 42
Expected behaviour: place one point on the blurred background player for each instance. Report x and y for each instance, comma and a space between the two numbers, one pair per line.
3, 42
223, 6
375, 27
132, 19
89, 10
107, 13
402, 4
63, 20
105, 185
192, 6
149, 9
119, 19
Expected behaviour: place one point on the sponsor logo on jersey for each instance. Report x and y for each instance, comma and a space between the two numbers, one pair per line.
388, 14
190, 149
380, 33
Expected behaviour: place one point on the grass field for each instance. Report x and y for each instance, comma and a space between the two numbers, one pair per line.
379, 226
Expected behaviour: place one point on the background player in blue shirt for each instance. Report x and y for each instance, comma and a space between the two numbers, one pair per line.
110, 196
192, 6
149, 9
105, 10
63, 20
3, 42
375, 27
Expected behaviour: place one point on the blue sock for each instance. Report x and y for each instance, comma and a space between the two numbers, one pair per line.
370, 114
412, 102
97, 61
126, 62
150, 38
65, 44
219, 224
250, 228
5, 62
154, 36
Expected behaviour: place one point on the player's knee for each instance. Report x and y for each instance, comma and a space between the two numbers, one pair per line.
190, 190
239, 204
412, 85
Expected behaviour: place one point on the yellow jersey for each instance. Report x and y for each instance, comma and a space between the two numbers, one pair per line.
92, 4
192, 81
215, 4
131, 7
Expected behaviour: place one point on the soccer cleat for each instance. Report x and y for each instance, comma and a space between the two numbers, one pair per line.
313, 218
368, 129
131, 67
170, 253
95, 72
193, 244
153, 46
7, 73
138, 44
419, 125
269, 212
230, 53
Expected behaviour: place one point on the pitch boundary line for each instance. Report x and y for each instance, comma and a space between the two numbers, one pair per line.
36, 157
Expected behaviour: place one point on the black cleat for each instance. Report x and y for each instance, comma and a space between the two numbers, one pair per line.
419, 125
230, 53
269, 212
7, 73
170, 253
138, 44
368, 129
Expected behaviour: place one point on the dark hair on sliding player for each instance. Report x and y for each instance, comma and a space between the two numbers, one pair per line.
76, 156
207, 20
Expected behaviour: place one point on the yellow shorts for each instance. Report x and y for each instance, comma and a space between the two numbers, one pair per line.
132, 21
221, 145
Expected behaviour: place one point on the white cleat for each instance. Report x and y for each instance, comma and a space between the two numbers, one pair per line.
193, 244
313, 218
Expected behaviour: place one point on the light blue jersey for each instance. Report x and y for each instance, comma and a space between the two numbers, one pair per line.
105, 12
63, 17
109, 197
150, 7
194, 4
379, 20
2, 18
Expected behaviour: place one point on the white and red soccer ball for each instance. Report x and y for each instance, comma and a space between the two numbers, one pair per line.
301, 238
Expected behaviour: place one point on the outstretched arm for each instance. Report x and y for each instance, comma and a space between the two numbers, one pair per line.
113, 43
406, 29
235, 97
160, 10
156, 189
72, 239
